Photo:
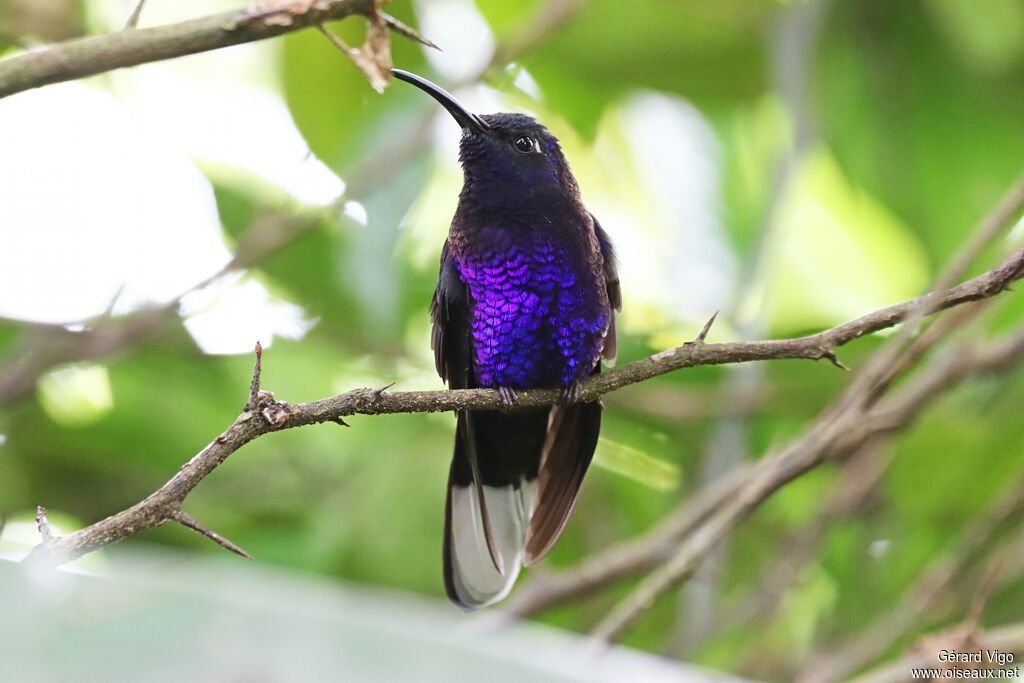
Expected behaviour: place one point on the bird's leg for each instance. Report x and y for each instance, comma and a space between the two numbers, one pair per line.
508, 396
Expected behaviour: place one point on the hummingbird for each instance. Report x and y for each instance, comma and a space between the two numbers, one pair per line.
526, 298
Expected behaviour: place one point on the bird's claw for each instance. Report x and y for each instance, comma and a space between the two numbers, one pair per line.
571, 393
508, 396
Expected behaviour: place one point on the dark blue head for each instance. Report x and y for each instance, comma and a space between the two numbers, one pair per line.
506, 158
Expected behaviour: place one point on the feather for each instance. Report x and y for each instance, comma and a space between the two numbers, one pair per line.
566, 455
471, 579
610, 350
466, 418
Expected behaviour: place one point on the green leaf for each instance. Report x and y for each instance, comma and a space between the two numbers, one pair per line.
939, 141
709, 53
634, 464
509, 19
334, 107
840, 253
988, 35
77, 394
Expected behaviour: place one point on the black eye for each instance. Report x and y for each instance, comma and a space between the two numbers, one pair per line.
526, 144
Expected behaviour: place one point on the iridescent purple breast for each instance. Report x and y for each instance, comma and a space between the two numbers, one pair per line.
534, 322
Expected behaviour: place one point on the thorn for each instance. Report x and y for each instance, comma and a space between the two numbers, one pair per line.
188, 521
376, 393
707, 328
108, 312
43, 524
335, 40
133, 20
340, 421
404, 29
835, 361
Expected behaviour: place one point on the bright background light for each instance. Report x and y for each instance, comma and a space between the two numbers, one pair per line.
103, 202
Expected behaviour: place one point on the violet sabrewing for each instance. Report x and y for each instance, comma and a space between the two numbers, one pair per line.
526, 298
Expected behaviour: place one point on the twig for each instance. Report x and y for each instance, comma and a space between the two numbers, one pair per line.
1008, 638
627, 559
933, 584
48, 345
43, 524
854, 489
254, 387
163, 505
983, 593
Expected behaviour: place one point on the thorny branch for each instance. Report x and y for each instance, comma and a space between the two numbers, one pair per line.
92, 55
836, 435
266, 414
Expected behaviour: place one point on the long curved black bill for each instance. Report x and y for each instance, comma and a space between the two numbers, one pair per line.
463, 116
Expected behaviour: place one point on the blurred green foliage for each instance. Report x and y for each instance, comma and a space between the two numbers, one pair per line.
916, 113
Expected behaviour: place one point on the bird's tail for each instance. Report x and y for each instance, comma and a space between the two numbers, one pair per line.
513, 482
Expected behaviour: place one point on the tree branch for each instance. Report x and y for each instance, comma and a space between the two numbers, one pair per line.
267, 415
92, 55
839, 433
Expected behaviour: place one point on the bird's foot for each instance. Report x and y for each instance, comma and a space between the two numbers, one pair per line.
570, 393
508, 396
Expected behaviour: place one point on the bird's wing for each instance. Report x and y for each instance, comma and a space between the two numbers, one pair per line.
611, 278
450, 338
487, 506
